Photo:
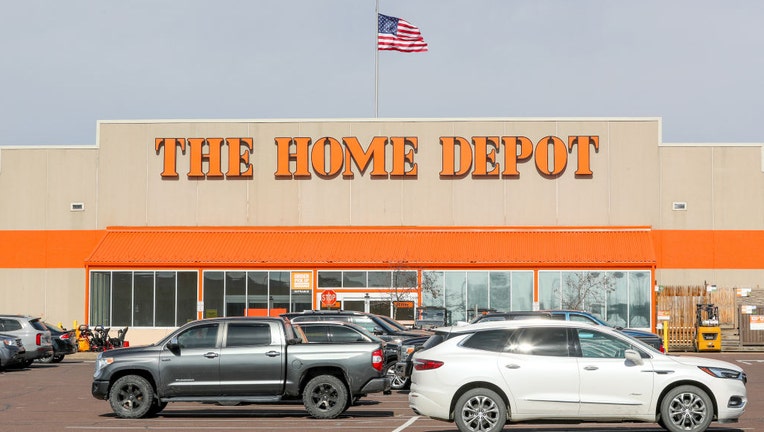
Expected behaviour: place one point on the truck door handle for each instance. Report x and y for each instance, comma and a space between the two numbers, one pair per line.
273, 353
211, 355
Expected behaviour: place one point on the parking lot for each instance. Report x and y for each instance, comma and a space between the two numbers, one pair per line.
56, 397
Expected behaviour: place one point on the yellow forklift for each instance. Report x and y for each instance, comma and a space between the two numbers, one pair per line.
708, 333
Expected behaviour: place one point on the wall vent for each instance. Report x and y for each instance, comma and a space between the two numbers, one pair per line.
77, 207
679, 205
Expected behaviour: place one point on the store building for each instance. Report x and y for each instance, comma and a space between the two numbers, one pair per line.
162, 222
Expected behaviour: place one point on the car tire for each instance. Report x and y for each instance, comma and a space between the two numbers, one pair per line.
46, 359
481, 410
131, 397
57, 358
686, 408
397, 383
325, 397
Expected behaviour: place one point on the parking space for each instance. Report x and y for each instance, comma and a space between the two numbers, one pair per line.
57, 398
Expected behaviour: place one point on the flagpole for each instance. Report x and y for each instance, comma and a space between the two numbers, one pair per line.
376, 63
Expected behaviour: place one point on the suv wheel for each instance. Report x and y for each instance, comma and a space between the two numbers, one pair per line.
686, 408
480, 410
131, 397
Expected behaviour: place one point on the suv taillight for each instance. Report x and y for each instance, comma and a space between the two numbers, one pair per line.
39, 339
377, 359
421, 364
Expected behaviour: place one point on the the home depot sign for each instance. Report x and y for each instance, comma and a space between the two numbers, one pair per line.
383, 157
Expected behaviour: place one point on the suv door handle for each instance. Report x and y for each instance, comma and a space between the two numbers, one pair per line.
211, 355
273, 353
512, 366
590, 368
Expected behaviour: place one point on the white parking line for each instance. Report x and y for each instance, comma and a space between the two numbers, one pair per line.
407, 424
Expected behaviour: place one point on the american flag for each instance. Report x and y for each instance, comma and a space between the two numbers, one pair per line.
395, 34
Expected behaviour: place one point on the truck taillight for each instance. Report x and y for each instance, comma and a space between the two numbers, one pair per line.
39, 339
421, 364
377, 360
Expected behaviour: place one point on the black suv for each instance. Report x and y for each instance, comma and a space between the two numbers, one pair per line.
387, 329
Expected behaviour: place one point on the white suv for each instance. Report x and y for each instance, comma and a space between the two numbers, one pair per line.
483, 375
34, 336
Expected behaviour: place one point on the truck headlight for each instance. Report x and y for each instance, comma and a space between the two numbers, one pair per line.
102, 362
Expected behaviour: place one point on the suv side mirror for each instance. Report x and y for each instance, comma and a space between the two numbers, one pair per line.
633, 357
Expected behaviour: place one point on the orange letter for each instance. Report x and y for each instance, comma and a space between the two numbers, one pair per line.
583, 155
448, 161
560, 155
354, 152
484, 156
318, 157
300, 157
198, 156
511, 155
235, 159
170, 153
402, 158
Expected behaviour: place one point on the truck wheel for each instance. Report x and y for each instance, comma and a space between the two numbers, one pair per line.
396, 383
481, 410
131, 397
686, 408
325, 397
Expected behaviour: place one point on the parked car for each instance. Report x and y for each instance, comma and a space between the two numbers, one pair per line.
651, 339
238, 360
482, 375
385, 328
34, 336
64, 343
346, 332
11, 350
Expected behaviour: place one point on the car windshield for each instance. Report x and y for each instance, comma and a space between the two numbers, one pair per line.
392, 322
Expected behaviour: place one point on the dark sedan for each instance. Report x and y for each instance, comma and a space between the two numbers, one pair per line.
64, 343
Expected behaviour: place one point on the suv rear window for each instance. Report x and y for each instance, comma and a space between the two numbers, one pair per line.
488, 340
38, 325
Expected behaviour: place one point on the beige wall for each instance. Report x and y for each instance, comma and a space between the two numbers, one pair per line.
57, 295
622, 190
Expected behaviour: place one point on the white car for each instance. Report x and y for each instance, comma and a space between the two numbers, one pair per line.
483, 375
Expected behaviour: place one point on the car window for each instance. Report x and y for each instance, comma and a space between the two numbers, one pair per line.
202, 336
9, 325
582, 318
366, 323
392, 323
248, 334
316, 333
541, 341
346, 335
595, 344
488, 340
37, 325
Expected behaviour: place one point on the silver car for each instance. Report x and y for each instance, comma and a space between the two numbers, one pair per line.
34, 336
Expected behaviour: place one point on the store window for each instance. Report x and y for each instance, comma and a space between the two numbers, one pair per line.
395, 291
467, 293
251, 293
142, 298
620, 297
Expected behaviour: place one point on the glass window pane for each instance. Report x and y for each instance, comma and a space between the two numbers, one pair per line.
100, 297
257, 290
201, 337
187, 296
433, 288
477, 292
143, 303
639, 299
213, 294
329, 279
455, 295
235, 293
354, 279
500, 298
618, 299
549, 290
316, 333
380, 307
380, 279
279, 285
165, 309
405, 279
522, 290
122, 299
346, 335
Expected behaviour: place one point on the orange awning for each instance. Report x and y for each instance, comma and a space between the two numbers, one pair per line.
372, 247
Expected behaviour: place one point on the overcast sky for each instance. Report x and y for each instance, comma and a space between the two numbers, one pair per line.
66, 64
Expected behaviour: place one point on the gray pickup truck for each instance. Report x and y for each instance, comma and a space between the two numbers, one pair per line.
235, 361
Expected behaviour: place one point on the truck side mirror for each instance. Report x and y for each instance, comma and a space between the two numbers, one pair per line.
173, 345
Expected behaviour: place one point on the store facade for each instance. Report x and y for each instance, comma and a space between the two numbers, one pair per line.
165, 221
